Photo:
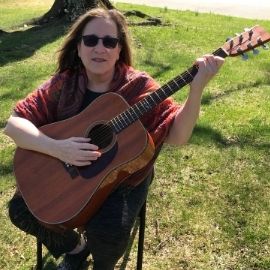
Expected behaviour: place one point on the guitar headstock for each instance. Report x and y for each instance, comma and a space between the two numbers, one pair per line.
246, 41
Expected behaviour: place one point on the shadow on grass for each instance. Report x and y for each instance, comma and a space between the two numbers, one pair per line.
160, 67
3, 123
48, 263
19, 45
203, 135
6, 169
11, 95
209, 98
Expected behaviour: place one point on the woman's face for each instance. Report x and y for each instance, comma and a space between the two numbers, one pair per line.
99, 57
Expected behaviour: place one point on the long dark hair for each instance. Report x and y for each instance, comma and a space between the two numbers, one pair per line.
68, 55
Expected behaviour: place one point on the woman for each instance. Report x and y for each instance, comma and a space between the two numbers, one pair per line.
96, 59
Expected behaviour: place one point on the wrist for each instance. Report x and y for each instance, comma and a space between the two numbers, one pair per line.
195, 92
52, 147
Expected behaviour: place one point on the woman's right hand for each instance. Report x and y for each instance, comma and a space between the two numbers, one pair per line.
76, 151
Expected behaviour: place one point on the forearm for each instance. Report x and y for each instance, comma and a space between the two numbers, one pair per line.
75, 150
185, 119
27, 136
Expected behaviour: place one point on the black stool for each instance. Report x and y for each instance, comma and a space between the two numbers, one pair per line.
142, 216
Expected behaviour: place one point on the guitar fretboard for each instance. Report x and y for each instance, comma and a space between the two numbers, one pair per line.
145, 105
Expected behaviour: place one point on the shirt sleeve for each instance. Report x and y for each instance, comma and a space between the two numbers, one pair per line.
40, 106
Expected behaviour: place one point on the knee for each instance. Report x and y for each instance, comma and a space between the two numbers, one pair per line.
19, 213
14, 211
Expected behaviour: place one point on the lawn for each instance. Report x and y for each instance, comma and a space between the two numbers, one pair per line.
209, 205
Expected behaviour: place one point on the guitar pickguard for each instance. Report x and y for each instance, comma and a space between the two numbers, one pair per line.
99, 165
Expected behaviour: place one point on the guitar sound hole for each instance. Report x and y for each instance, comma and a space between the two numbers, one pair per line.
101, 135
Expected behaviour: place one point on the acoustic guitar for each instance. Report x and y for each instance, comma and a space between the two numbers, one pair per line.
68, 196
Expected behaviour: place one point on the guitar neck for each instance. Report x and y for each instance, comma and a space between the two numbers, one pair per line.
145, 105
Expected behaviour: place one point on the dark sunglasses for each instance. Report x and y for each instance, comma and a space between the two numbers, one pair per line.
92, 41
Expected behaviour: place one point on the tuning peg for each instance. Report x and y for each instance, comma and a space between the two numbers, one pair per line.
244, 56
265, 46
230, 39
255, 51
260, 42
241, 38
249, 30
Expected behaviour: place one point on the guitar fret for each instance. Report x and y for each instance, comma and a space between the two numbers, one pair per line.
163, 92
122, 120
132, 114
168, 85
189, 74
148, 105
120, 124
176, 83
143, 105
115, 125
124, 117
157, 95
152, 98
138, 108
129, 117
182, 78
112, 125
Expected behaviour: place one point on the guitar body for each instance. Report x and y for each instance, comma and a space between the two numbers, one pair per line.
57, 194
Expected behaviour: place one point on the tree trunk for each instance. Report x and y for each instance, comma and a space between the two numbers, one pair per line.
71, 9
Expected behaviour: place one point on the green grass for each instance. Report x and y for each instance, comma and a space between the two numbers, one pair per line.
209, 205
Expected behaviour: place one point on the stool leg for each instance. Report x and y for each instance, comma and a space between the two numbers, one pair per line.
39, 264
141, 237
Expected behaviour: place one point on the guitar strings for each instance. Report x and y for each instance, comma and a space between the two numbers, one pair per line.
117, 124
102, 133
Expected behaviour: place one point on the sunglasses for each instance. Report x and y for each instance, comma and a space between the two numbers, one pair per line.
107, 41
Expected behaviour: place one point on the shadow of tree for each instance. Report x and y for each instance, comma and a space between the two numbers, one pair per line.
208, 98
11, 95
159, 67
3, 124
205, 134
19, 45
151, 61
6, 169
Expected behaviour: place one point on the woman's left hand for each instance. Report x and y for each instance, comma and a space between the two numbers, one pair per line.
209, 66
